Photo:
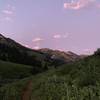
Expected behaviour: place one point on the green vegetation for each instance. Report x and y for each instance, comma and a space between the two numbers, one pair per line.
11, 72
14, 52
76, 81
20, 54
13, 91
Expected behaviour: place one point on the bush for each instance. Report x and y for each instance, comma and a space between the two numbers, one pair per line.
97, 52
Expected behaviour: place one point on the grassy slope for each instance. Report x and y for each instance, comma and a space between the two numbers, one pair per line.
11, 71
77, 81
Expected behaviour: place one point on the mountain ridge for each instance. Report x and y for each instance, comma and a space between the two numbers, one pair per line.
66, 56
13, 51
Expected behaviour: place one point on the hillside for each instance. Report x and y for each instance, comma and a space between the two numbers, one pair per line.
61, 55
12, 51
75, 81
57, 57
42, 59
10, 72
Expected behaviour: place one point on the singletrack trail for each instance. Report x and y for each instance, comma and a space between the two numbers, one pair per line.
26, 93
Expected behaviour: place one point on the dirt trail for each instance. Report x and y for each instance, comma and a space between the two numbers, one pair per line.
26, 94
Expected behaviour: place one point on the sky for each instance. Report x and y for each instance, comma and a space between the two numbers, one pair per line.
69, 25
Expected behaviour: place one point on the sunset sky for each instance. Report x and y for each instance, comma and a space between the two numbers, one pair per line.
57, 24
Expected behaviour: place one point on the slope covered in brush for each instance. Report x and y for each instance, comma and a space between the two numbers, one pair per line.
76, 81
10, 72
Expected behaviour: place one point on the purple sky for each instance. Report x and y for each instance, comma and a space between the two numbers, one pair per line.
57, 24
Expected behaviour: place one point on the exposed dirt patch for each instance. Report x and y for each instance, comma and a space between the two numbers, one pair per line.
26, 94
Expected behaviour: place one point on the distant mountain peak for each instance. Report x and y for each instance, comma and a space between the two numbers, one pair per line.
56, 54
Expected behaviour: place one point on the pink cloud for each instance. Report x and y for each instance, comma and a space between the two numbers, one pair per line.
78, 5
38, 39
9, 19
36, 47
37, 42
9, 12
57, 36
66, 35
26, 46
